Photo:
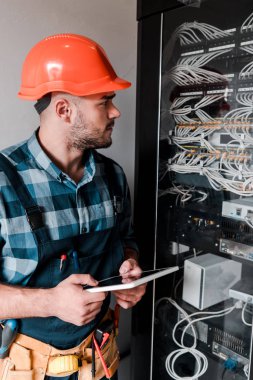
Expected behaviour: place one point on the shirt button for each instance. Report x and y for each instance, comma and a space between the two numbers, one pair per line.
84, 229
61, 177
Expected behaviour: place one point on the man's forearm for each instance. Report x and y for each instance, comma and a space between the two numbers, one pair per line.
19, 302
67, 301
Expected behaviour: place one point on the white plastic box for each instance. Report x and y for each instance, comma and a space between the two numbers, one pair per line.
208, 278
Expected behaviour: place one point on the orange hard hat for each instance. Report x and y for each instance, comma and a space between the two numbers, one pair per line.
69, 63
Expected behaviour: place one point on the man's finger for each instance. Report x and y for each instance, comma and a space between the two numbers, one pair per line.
82, 279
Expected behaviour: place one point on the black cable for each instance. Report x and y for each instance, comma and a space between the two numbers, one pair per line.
223, 373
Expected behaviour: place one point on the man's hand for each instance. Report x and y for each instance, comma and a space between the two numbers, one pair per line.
130, 271
72, 303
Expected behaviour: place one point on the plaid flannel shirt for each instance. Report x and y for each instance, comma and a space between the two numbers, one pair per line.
69, 209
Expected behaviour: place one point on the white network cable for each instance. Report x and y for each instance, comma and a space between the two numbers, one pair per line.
248, 23
248, 49
185, 193
201, 59
190, 32
240, 132
247, 71
180, 101
248, 221
242, 113
180, 113
232, 172
246, 370
180, 141
200, 358
243, 315
184, 75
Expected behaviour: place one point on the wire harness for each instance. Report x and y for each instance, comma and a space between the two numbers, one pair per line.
201, 360
185, 193
180, 114
242, 113
191, 32
184, 75
248, 24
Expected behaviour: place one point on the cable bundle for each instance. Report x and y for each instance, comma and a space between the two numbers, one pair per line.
242, 113
200, 359
181, 141
241, 133
184, 194
188, 32
201, 59
248, 49
180, 113
184, 75
231, 171
247, 71
248, 23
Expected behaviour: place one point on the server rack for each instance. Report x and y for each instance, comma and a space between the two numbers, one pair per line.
193, 195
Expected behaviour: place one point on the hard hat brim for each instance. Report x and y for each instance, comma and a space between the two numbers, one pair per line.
77, 89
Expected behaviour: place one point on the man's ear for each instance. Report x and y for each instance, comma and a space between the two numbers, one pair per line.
63, 109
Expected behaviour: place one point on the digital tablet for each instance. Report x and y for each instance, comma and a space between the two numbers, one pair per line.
115, 283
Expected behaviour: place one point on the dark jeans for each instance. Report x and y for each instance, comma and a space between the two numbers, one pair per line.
75, 377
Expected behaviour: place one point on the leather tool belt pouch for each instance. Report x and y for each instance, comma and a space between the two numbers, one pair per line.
30, 359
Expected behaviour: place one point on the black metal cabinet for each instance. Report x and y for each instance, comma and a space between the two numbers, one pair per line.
146, 8
194, 146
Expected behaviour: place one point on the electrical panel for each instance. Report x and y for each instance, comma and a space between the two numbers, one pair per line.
202, 323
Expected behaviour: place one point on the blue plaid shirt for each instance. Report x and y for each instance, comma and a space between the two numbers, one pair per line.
69, 209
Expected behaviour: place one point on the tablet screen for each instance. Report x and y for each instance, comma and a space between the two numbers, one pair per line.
114, 283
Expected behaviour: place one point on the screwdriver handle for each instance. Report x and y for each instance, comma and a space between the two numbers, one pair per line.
8, 335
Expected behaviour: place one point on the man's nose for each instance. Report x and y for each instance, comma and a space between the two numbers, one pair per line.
113, 112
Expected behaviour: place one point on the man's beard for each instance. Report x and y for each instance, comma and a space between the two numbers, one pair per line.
81, 138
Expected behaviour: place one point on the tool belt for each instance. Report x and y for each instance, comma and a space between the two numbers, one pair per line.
31, 359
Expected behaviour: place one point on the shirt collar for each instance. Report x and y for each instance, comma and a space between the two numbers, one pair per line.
44, 161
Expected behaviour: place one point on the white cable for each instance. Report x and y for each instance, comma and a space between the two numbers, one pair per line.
241, 113
243, 315
248, 221
246, 71
180, 113
184, 193
248, 23
189, 75
200, 358
248, 49
246, 370
187, 32
201, 59
210, 315
216, 179
201, 362
233, 171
